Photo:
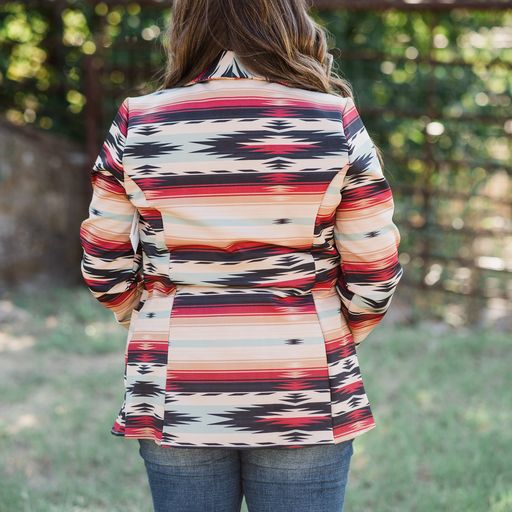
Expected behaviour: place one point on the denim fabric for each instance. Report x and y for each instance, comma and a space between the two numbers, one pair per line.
307, 479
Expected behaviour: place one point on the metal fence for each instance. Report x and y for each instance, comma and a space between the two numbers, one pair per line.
432, 82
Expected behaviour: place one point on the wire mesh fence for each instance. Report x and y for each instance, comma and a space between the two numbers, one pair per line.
432, 82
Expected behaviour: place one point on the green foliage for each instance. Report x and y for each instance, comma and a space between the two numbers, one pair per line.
431, 67
384, 54
43, 52
433, 88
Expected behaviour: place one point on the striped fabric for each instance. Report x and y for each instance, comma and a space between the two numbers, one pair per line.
267, 254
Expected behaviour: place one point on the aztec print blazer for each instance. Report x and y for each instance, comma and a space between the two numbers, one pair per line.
241, 230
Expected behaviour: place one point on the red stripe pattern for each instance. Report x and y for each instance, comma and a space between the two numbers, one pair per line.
266, 253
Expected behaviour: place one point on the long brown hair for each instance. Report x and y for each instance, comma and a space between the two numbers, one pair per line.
275, 38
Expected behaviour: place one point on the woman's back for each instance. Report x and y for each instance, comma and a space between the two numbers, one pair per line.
267, 253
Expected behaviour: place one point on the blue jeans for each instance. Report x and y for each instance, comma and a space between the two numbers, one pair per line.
308, 479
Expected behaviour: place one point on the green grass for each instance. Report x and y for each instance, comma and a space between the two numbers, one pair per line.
442, 404
443, 440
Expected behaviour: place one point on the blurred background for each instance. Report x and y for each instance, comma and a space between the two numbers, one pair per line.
433, 84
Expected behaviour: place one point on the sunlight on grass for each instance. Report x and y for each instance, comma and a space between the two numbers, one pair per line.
9, 343
70, 320
22, 422
479, 418
502, 502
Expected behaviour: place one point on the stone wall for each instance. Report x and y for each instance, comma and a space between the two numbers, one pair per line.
44, 192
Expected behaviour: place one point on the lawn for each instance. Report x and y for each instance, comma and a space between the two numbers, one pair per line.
442, 403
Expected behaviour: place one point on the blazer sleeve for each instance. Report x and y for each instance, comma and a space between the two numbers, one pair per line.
365, 235
110, 267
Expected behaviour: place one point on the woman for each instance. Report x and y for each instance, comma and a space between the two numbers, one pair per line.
241, 230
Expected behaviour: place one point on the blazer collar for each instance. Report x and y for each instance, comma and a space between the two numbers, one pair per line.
226, 66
